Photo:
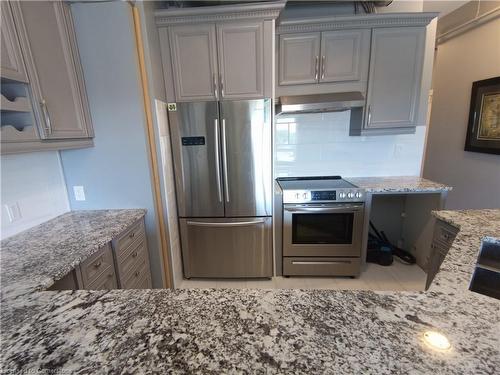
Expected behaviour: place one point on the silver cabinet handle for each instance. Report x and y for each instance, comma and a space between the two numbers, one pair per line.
217, 163
316, 68
221, 86
303, 262
235, 224
45, 111
369, 114
216, 91
224, 157
323, 67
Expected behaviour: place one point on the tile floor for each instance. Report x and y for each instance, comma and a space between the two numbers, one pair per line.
398, 276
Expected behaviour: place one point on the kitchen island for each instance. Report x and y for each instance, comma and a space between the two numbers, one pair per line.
255, 331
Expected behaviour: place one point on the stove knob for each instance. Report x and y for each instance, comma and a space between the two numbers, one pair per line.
297, 196
350, 195
341, 195
358, 195
304, 195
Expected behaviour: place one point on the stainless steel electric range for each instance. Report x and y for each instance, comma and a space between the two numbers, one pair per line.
322, 226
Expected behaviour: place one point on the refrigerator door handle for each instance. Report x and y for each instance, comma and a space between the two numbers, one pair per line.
233, 224
224, 157
217, 162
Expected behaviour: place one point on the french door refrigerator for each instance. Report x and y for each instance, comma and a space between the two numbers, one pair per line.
223, 173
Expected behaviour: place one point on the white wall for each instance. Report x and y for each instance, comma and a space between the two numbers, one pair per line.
475, 177
319, 144
35, 183
115, 172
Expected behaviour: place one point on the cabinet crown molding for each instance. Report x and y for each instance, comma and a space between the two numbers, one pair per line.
354, 22
265, 10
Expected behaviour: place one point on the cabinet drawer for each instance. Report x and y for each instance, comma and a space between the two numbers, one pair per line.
129, 237
131, 280
107, 280
444, 233
321, 266
96, 264
144, 283
132, 257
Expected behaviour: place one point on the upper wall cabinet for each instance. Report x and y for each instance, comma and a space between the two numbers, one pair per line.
194, 60
54, 69
218, 52
241, 59
12, 60
299, 58
395, 76
333, 56
44, 103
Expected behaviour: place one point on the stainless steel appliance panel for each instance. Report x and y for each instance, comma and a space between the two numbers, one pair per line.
293, 266
195, 131
246, 157
227, 248
323, 230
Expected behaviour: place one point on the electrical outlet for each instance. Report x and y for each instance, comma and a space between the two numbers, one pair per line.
13, 211
79, 193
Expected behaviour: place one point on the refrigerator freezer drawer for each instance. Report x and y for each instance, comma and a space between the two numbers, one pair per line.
227, 248
299, 266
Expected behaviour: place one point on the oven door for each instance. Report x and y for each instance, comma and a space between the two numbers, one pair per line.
322, 230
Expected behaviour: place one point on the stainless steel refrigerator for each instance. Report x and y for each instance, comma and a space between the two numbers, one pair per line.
223, 173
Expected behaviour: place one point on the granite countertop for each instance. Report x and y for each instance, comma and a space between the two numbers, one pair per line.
399, 184
262, 331
36, 258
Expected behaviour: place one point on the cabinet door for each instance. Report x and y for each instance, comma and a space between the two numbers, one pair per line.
395, 77
193, 49
342, 54
54, 70
241, 60
299, 58
12, 65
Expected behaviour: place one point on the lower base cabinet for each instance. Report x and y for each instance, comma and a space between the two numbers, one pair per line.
122, 263
443, 237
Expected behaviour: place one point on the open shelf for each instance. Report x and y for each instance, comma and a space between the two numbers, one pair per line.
19, 104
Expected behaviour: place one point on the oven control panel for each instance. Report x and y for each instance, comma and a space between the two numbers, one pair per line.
339, 195
323, 195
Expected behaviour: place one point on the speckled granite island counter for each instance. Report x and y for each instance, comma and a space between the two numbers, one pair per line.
257, 331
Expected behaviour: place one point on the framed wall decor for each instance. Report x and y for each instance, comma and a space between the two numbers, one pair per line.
483, 129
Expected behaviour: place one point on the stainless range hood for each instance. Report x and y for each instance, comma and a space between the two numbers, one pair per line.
319, 103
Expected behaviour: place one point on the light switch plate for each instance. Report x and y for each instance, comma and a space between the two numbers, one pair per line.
13, 211
79, 193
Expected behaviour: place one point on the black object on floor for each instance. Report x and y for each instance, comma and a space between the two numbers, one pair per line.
381, 251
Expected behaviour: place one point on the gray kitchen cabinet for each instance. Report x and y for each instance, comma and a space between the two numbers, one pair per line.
194, 62
443, 237
394, 77
55, 75
344, 55
241, 59
132, 258
299, 58
222, 52
122, 263
221, 61
12, 64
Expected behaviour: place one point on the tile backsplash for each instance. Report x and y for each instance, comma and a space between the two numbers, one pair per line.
319, 144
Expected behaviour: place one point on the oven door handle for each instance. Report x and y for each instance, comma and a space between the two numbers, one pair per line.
323, 209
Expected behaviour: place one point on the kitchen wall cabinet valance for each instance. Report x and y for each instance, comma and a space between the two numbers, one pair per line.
49, 68
218, 52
